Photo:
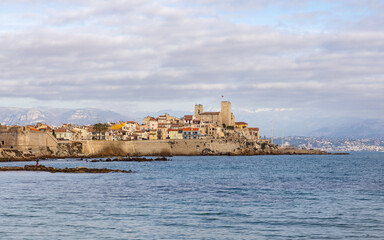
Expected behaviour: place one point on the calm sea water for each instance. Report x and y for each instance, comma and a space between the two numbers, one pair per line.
256, 197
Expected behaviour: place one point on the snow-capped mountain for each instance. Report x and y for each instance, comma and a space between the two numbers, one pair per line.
57, 116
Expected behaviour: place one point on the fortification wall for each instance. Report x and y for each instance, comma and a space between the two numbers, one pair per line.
107, 148
121, 148
188, 147
8, 137
149, 148
28, 142
165, 147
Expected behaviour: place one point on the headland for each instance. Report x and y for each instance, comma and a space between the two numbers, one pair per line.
31, 145
204, 133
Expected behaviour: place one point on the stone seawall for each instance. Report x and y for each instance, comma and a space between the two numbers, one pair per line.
176, 147
21, 140
233, 147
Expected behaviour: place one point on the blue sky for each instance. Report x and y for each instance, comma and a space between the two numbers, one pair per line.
302, 64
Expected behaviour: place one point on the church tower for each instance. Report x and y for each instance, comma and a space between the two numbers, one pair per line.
198, 110
226, 113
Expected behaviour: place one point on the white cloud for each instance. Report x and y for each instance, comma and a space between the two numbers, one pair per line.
261, 110
164, 51
204, 86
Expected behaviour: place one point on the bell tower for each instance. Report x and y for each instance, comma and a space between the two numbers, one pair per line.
226, 113
198, 110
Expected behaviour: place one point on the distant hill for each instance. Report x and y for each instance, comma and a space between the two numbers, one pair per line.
57, 116
334, 144
179, 114
371, 128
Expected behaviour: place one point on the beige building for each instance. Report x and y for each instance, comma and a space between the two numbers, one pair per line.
223, 118
212, 131
162, 132
175, 134
254, 132
63, 134
81, 134
166, 118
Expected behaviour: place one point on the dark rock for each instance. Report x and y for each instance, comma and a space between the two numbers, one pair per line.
42, 168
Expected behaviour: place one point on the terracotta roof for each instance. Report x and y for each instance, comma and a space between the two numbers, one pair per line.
210, 113
188, 117
240, 123
253, 129
190, 129
173, 130
60, 130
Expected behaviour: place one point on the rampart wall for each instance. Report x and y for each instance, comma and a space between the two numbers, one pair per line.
23, 144
169, 147
24, 140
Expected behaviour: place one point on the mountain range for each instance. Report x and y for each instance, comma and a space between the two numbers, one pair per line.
57, 116
370, 128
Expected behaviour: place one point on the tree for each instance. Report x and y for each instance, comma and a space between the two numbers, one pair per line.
100, 127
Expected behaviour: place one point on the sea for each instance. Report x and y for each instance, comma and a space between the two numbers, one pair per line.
199, 197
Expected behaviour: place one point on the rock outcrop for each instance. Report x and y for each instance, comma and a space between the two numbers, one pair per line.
132, 159
42, 168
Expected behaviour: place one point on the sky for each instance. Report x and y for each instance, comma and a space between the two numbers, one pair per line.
296, 64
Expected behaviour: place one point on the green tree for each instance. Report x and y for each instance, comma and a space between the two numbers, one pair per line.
100, 127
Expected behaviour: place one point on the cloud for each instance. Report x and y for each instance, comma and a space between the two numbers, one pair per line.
261, 110
173, 50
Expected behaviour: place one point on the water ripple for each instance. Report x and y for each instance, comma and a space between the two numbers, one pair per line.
255, 197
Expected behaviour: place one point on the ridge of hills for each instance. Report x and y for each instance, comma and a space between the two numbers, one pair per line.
56, 116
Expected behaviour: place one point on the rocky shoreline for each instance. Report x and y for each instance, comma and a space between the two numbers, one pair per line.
114, 158
132, 159
128, 150
42, 168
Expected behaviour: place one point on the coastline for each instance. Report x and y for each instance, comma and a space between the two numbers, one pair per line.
23, 144
42, 168
105, 149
